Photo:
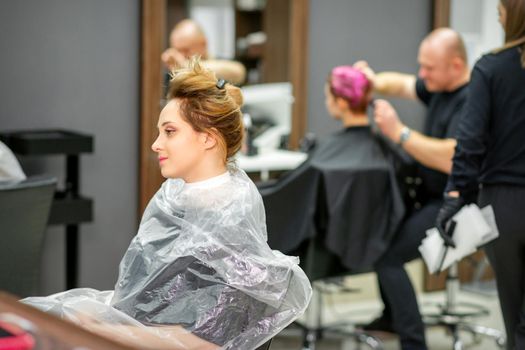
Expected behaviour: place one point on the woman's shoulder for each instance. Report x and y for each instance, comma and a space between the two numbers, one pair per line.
498, 59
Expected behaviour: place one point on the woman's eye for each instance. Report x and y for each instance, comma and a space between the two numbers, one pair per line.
169, 131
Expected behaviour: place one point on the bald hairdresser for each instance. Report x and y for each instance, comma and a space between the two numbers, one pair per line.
441, 86
188, 39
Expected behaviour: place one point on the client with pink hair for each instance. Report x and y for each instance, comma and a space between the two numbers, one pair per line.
348, 92
360, 191
343, 205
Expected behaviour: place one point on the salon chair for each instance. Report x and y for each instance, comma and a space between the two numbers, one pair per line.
455, 315
24, 211
293, 217
265, 346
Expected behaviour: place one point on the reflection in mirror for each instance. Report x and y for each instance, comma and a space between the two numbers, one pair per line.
268, 107
217, 20
270, 37
477, 22
254, 33
206, 32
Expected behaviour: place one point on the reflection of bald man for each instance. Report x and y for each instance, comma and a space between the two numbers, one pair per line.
441, 85
188, 39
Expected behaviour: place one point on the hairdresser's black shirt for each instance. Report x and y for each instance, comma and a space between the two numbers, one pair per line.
444, 110
491, 133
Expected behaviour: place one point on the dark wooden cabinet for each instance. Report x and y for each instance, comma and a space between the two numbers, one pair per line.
265, 62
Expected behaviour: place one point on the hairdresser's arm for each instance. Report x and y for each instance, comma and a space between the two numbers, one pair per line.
173, 59
390, 83
232, 71
432, 152
396, 84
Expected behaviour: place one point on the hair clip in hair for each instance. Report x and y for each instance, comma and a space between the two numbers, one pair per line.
220, 83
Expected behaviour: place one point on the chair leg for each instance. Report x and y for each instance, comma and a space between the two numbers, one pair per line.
457, 343
310, 339
313, 329
498, 336
456, 324
370, 340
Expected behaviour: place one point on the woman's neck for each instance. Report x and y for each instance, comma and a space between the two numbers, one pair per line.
350, 119
208, 168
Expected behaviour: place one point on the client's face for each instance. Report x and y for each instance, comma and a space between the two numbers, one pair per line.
180, 148
331, 103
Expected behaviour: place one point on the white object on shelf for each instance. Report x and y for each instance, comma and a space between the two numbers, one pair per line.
272, 101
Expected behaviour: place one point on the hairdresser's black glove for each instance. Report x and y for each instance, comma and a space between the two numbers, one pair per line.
451, 205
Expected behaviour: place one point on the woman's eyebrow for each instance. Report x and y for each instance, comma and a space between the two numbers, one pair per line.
166, 122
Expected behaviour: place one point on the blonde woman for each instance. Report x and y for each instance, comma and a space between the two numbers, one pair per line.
199, 274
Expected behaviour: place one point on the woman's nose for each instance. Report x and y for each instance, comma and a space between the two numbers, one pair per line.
156, 145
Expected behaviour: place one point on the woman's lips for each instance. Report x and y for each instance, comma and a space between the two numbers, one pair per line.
161, 159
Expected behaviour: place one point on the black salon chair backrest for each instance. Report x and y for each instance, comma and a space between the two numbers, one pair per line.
290, 206
294, 217
24, 211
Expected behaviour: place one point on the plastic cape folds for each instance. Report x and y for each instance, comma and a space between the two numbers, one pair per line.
200, 260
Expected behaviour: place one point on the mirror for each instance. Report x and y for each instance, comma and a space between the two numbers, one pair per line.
253, 32
266, 36
477, 22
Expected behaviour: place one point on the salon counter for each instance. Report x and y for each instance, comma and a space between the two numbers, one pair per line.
270, 160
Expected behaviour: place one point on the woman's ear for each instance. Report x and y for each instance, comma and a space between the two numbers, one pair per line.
209, 140
459, 64
341, 103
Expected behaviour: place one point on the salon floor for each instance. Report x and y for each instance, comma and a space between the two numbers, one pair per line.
363, 305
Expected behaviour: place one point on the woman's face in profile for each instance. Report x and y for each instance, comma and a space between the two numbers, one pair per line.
502, 14
179, 147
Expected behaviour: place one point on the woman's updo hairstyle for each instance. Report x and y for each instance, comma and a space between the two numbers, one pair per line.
352, 85
209, 105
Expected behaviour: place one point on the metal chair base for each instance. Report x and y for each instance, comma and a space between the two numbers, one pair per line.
312, 336
314, 330
454, 316
455, 326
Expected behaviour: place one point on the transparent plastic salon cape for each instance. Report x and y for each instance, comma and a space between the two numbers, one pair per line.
200, 260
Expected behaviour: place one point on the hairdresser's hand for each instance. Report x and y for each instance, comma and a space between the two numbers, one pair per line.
452, 203
173, 59
387, 120
365, 68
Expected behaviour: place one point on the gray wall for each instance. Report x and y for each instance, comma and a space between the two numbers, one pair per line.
74, 64
386, 33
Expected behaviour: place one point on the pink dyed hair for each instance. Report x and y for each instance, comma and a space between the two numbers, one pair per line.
351, 84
